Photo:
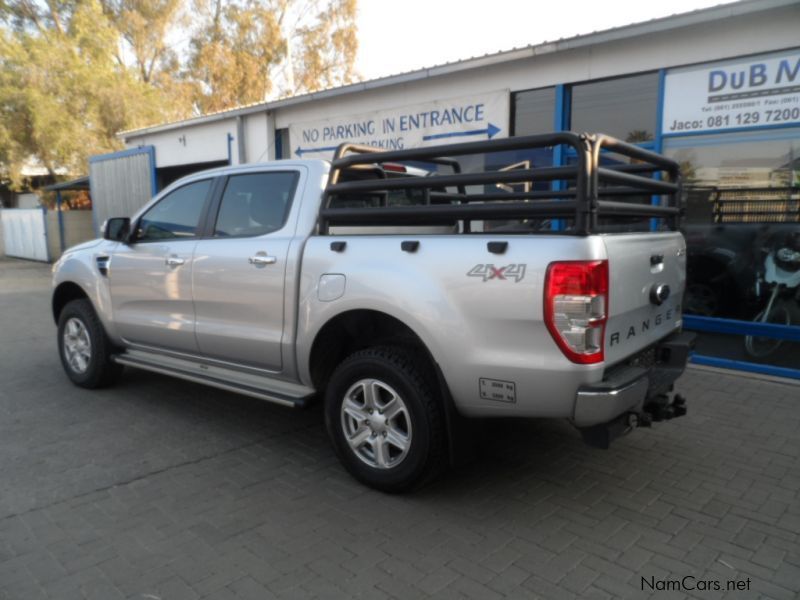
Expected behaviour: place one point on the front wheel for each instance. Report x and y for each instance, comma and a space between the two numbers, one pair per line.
84, 347
384, 420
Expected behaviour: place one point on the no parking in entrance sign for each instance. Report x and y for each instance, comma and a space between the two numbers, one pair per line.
470, 118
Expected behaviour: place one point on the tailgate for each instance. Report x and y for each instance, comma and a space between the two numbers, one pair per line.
647, 276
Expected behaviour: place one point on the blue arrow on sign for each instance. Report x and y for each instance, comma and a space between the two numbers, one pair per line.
300, 151
490, 131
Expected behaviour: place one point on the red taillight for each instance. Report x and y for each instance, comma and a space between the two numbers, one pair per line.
394, 167
576, 308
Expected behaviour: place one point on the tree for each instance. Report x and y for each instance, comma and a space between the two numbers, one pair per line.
233, 52
240, 49
327, 48
148, 30
145, 26
73, 73
63, 95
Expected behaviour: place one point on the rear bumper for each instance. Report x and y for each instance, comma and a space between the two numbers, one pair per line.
628, 393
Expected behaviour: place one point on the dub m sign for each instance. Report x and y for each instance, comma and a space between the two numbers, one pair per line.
734, 94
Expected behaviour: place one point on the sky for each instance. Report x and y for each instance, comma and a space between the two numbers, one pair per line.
403, 35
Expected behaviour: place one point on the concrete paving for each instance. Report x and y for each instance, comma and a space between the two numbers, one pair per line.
162, 489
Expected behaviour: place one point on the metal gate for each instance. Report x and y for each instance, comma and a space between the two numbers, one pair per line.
25, 233
121, 183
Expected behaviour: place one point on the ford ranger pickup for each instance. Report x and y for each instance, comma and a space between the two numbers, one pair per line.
405, 290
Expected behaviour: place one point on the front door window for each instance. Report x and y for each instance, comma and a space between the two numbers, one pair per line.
176, 216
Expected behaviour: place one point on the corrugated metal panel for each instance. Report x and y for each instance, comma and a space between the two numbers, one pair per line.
24, 233
121, 184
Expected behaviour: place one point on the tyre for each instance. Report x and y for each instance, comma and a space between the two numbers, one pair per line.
384, 420
760, 348
84, 347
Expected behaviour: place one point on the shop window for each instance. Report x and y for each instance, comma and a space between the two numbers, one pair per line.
747, 181
625, 107
534, 111
743, 235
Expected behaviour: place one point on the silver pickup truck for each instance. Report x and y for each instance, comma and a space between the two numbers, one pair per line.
403, 290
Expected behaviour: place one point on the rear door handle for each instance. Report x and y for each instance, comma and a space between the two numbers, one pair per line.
262, 259
175, 261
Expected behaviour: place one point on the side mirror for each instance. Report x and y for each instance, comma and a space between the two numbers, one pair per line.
117, 229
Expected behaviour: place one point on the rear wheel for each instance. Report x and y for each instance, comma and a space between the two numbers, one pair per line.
384, 420
84, 347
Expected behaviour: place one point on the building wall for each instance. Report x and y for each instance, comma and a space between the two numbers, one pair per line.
258, 137
207, 142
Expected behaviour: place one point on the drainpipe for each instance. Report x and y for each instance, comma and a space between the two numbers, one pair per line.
240, 147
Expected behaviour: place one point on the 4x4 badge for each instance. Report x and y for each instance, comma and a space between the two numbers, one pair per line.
515, 272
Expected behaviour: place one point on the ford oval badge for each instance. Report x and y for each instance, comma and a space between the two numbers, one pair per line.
659, 293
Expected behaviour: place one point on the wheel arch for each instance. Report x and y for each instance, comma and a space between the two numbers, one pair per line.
354, 330
66, 292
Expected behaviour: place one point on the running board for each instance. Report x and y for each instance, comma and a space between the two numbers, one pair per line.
232, 380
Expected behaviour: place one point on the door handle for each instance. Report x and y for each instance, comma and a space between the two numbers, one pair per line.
262, 259
174, 261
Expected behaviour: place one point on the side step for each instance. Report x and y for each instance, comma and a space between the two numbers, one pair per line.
232, 380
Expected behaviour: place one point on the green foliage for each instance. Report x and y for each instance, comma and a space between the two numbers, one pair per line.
63, 95
73, 73
241, 47
327, 47
233, 53
145, 26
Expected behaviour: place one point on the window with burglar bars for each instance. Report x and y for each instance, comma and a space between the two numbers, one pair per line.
756, 205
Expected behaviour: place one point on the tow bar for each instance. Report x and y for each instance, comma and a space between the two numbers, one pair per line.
656, 409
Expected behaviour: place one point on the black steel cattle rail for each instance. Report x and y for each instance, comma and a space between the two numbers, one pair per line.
582, 195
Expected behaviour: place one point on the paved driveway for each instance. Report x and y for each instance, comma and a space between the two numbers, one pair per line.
161, 489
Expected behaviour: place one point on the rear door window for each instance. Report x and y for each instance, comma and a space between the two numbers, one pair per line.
255, 204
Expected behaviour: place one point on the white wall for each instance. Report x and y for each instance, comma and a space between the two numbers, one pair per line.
206, 142
258, 137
